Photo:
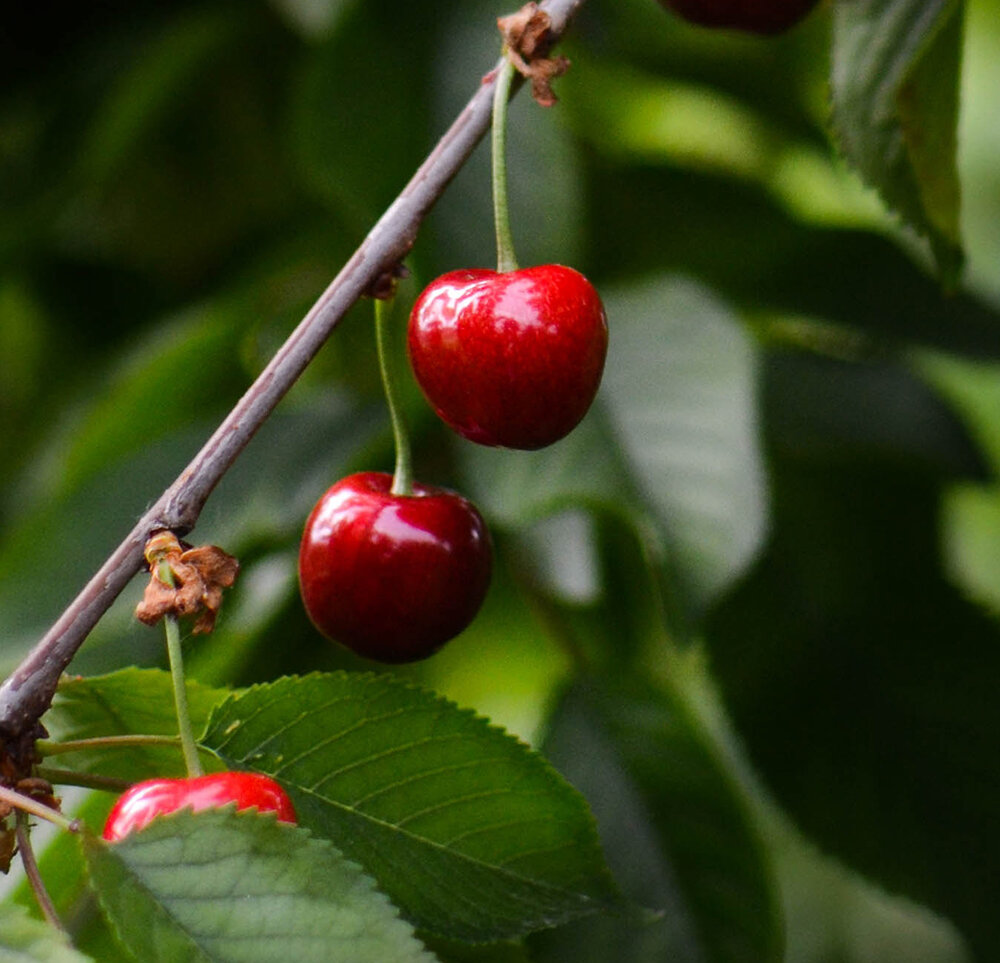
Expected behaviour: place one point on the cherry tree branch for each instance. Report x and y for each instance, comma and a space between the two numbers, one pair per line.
28, 691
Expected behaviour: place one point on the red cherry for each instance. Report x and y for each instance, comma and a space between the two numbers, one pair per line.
756, 16
511, 359
138, 805
393, 577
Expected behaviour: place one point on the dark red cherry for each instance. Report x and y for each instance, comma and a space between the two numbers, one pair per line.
393, 577
512, 359
139, 805
756, 16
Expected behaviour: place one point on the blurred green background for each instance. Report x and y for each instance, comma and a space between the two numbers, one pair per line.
784, 506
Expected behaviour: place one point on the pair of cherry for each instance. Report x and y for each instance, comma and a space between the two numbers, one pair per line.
509, 359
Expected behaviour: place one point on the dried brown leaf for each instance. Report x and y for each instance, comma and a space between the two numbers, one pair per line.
527, 39
198, 577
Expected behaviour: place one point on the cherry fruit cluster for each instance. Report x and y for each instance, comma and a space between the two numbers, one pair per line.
510, 359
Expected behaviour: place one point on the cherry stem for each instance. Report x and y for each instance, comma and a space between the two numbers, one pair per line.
85, 780
506, 261
176, 657
46, 748
26, 804
402, 479
33, 874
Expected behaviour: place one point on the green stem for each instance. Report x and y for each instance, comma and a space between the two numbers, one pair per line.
46, 748
33, 807
188, 744
86, 780
174, 654
402, 480
506, 261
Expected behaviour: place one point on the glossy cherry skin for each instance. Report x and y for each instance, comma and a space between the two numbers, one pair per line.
393, 577
755, 16
509, 359
139, 805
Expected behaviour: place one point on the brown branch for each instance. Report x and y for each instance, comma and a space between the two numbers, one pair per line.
28, 691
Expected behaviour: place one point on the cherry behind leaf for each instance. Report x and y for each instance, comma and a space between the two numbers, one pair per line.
140, 804
393, 577
511, 359
755, 16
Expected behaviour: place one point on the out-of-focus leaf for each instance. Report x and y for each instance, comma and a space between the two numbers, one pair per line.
738, 241
971, 523
242, 888
823, 408
161, 387
314, 19
971, 520
895, 79
677, 830
674, 437
517, 487
25, 940
359, 131
150, 89
127, 702
680, 390
864, 686
467, 830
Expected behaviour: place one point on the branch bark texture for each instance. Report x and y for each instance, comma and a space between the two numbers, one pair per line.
27, 693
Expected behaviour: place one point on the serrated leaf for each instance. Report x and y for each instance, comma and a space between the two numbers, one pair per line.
27, 940
680, 833
474, 836
131, 701
679, 387
233, 887
894, 83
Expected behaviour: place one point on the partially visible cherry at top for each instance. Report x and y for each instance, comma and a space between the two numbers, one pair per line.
140, 804
755, 16
510, 359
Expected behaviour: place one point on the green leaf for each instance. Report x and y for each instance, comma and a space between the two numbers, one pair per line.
131, 701
895, 78
867, 410
679, 387
474, 836
864, 686
757, 255
339, 103
515, 488
679, 833
672, 439
24, 940
242, 888
147, 91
